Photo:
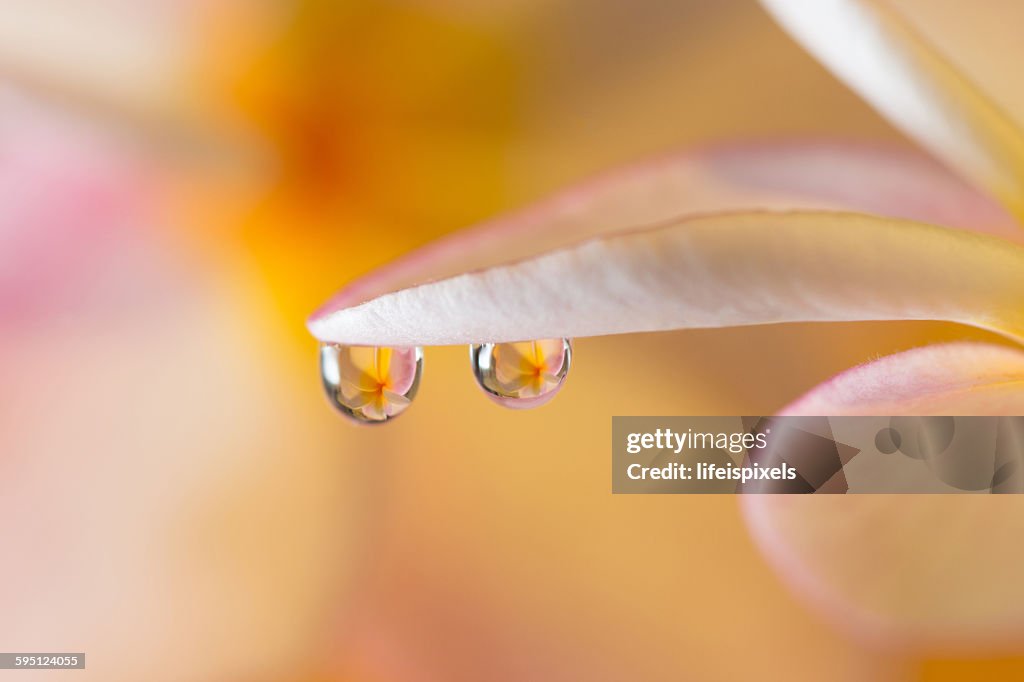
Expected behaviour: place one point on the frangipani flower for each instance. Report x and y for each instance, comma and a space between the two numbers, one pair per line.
788, 232
521, 374
528, 368
376, 383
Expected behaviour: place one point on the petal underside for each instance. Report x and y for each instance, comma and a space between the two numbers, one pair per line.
675, 193
710, 271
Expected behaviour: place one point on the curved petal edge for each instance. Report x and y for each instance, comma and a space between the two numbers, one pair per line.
710, 271
933, 572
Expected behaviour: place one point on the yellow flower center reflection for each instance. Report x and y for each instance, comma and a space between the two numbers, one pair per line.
530, 368
521, 374
374, 383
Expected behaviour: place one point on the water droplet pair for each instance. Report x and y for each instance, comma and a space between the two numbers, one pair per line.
372, 385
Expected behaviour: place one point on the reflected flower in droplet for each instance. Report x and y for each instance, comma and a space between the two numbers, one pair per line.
521, 374
370, 384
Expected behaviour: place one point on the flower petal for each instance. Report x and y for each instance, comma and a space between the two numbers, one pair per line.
825, 174
376, 408
711, 271
963, 377
355, 397
552, 353
985, 45
394, 401
358, 369
925, 570
402, 369
877, 53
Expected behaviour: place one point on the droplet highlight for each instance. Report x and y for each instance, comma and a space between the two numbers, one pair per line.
369, 384
522, 374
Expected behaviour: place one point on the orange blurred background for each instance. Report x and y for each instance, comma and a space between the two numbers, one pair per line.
181, 183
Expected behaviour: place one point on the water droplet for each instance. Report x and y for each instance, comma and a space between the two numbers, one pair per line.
522, 374
370, 384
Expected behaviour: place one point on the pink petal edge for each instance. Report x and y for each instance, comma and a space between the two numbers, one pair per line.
934, 379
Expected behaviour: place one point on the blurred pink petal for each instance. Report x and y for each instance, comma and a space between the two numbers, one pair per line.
932, 571
144, 501
70, 205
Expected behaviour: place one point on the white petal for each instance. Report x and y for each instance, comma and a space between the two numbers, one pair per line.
712, 271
